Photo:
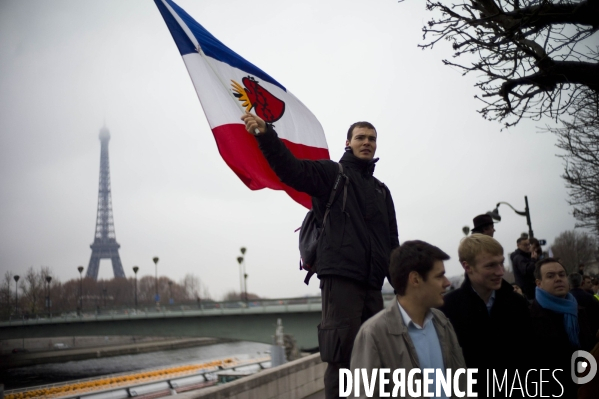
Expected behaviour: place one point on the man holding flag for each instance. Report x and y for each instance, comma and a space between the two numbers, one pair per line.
353, 253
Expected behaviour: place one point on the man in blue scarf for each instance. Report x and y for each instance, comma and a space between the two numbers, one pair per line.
560, 326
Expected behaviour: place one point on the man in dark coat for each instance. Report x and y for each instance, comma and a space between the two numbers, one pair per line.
491, 321
523, 262
560, 327
354, 249
585, 300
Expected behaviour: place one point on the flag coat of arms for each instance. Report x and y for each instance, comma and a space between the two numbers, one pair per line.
227, 86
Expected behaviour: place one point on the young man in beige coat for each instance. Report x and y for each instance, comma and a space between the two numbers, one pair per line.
410, 333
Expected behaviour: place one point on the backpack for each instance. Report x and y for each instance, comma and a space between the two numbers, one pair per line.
310, 233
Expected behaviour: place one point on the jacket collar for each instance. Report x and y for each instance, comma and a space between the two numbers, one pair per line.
363, 166
467, 287
395, 323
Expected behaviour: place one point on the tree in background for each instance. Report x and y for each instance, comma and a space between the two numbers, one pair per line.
97, 296
6, 296
233, 295
579, 138
65, 297
573, 248
535, 58
194, 288
32, 290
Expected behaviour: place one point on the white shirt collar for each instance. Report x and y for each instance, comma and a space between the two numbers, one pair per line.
491, 298
408, 320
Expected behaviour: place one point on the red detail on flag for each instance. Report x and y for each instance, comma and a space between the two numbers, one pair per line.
240, 151
266, 106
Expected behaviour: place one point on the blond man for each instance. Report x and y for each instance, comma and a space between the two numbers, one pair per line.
491, 321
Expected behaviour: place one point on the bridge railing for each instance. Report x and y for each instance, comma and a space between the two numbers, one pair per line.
205, 308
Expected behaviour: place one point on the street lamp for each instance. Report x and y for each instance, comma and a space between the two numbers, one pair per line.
80, 268
495, 214
245, 284
240, 261
135, 269
242, 275
16, 295
156, 297
48, 302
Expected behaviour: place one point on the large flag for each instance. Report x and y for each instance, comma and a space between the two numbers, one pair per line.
228, 85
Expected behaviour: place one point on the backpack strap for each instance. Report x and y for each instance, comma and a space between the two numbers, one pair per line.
334, 191
329, 203
308, 277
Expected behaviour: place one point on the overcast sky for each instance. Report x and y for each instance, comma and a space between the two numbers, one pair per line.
68, 66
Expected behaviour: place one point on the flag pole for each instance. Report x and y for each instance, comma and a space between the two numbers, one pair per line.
198, 48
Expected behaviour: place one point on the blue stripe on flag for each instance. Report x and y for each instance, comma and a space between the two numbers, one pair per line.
211, 46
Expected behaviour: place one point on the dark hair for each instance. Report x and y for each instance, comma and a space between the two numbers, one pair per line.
542, 262
412, 256
575, 280
519, 240
367, 125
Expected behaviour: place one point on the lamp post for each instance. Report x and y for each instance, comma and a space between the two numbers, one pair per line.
80, 268
495, 214
156, 297
245, 276
48, 301
16, 295
135, 269
242, 274
240, 261
170, 292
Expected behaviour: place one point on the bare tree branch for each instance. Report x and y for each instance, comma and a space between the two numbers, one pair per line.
537, 58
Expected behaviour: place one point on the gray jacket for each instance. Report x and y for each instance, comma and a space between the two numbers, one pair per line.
384, 342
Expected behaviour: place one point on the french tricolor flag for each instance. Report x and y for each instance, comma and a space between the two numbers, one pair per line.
227, 86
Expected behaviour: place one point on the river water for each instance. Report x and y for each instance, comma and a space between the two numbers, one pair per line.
24, 377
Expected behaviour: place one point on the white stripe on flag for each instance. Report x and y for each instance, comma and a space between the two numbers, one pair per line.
220, 110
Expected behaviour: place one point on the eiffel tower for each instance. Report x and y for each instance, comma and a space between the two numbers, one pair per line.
105, 245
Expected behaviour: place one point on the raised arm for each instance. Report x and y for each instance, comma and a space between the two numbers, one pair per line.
312, 177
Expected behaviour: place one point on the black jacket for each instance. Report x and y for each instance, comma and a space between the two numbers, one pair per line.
356, 243
524, 267
499, 340
591, 306
553, 348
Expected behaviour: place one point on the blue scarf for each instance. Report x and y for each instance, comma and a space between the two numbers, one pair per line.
566, 306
